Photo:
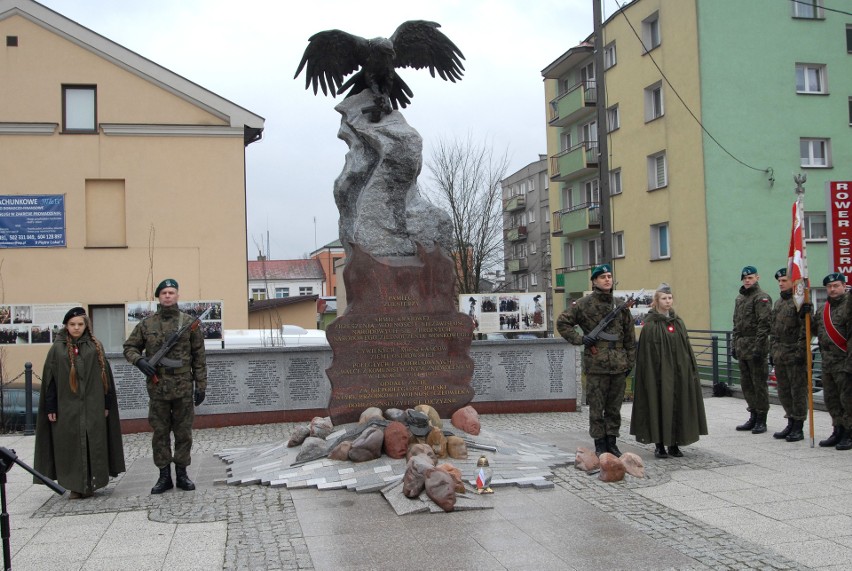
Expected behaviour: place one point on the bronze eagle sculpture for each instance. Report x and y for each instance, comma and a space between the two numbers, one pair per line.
334, 54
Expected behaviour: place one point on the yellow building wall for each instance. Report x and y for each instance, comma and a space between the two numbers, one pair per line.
184, 196
682, 201
301, 314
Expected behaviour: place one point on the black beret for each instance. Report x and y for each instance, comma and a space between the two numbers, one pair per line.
834, 277
72, 313
164, 284
782, 273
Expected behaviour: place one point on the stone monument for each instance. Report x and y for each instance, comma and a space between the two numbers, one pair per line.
401, 341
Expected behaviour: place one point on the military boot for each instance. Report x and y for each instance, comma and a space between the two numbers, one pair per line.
759, 424
600, 446
183, 481
165, 481
660, 451
846, 441
796, 433
611, 447
836, 436
749, 424
783, 433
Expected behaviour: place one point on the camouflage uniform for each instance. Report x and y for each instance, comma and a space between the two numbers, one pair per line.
787, 348
752, 320
837, 393
170, 408
607, 368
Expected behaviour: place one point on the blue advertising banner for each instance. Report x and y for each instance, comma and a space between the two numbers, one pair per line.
32, 221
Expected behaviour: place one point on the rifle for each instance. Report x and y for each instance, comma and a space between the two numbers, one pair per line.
598, 331
160, 355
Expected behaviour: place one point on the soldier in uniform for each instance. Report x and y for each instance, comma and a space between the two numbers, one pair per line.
749, 345
787, 351
833, 328
606, 361
170, 390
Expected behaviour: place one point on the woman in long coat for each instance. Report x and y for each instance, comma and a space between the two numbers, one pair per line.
78, 434
668, 406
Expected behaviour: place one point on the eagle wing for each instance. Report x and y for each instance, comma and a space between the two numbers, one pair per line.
329, 57
419, 44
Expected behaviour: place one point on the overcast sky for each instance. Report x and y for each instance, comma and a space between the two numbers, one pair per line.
248, 51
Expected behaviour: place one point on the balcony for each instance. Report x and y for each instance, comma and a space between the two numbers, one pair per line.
578, 161
516, 233
516, 265
573, 278
515, 203
575, 103
577, 221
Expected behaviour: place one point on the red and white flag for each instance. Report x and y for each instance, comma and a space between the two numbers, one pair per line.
797, 262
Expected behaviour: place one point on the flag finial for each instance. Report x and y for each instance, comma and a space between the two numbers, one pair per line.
800, 180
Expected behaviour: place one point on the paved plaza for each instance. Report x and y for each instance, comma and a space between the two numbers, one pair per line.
734, 501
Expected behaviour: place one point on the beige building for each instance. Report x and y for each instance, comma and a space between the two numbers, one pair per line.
149, 167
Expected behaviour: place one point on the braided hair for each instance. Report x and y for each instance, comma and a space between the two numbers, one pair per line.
72, 354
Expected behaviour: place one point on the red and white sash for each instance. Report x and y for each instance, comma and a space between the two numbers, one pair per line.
832, 331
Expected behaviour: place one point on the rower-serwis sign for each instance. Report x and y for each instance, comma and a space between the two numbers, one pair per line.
32, 221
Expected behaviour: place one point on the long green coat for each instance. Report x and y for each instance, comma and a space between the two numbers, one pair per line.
80, 434
668, 406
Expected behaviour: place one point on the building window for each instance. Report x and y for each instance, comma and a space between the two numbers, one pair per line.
657, 171
815, 152
592, 191
258, 293
532, 184
815, 226
281, 292
11, 41
612, 119
660, 241
810, 78
108, 321
534, 279
531, 215
850, 110
593, 251
615, 181
533, 248
651, 31
568, 254
306, 290
520, 250
809, 9
849, 38
79, 109
618, 244
609, 55
654, 107
566, 140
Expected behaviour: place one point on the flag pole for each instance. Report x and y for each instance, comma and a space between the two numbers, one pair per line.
805, 284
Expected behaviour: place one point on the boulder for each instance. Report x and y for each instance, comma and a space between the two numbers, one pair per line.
321, 426
455, 473
441, 489
396, 440
414, 479
467, 419
396, 414
298, 436
424, 449
341, 451
586, 460
633, 464
438, 442
368, 446
372, 413
612, 470
312, 448
434, 417
456, 448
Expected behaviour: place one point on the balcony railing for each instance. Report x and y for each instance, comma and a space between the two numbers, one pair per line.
516, 233
576, 220
515, 203
516, 265
574, 162
569, 106
573, 278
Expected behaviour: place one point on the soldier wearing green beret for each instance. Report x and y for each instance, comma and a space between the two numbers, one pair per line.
833, 328
750, 345
606, 362
787, 351
172, 396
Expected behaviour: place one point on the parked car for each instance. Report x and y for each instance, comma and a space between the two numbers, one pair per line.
14, 408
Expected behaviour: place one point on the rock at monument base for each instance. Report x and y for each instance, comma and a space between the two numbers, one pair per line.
441, 489
372, 413
312, 447
438, 442
456, 448
396, 440
586, 460
420, 448
396, 414
414, 479
633, 464
321, 426
298, 436
612, 470
341, 451
368, 446
434, 417
467, 419
456, 474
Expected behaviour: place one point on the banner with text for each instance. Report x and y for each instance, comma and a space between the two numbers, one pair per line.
32, 221
839, 199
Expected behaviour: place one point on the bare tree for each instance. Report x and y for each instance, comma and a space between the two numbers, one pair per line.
466, 182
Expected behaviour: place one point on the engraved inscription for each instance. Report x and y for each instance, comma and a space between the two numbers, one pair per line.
262, 382
221, 383
515, 362
304, 378
483, 373
555, 358
129, 387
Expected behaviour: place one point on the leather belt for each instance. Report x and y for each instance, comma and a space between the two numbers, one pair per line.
173, 370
